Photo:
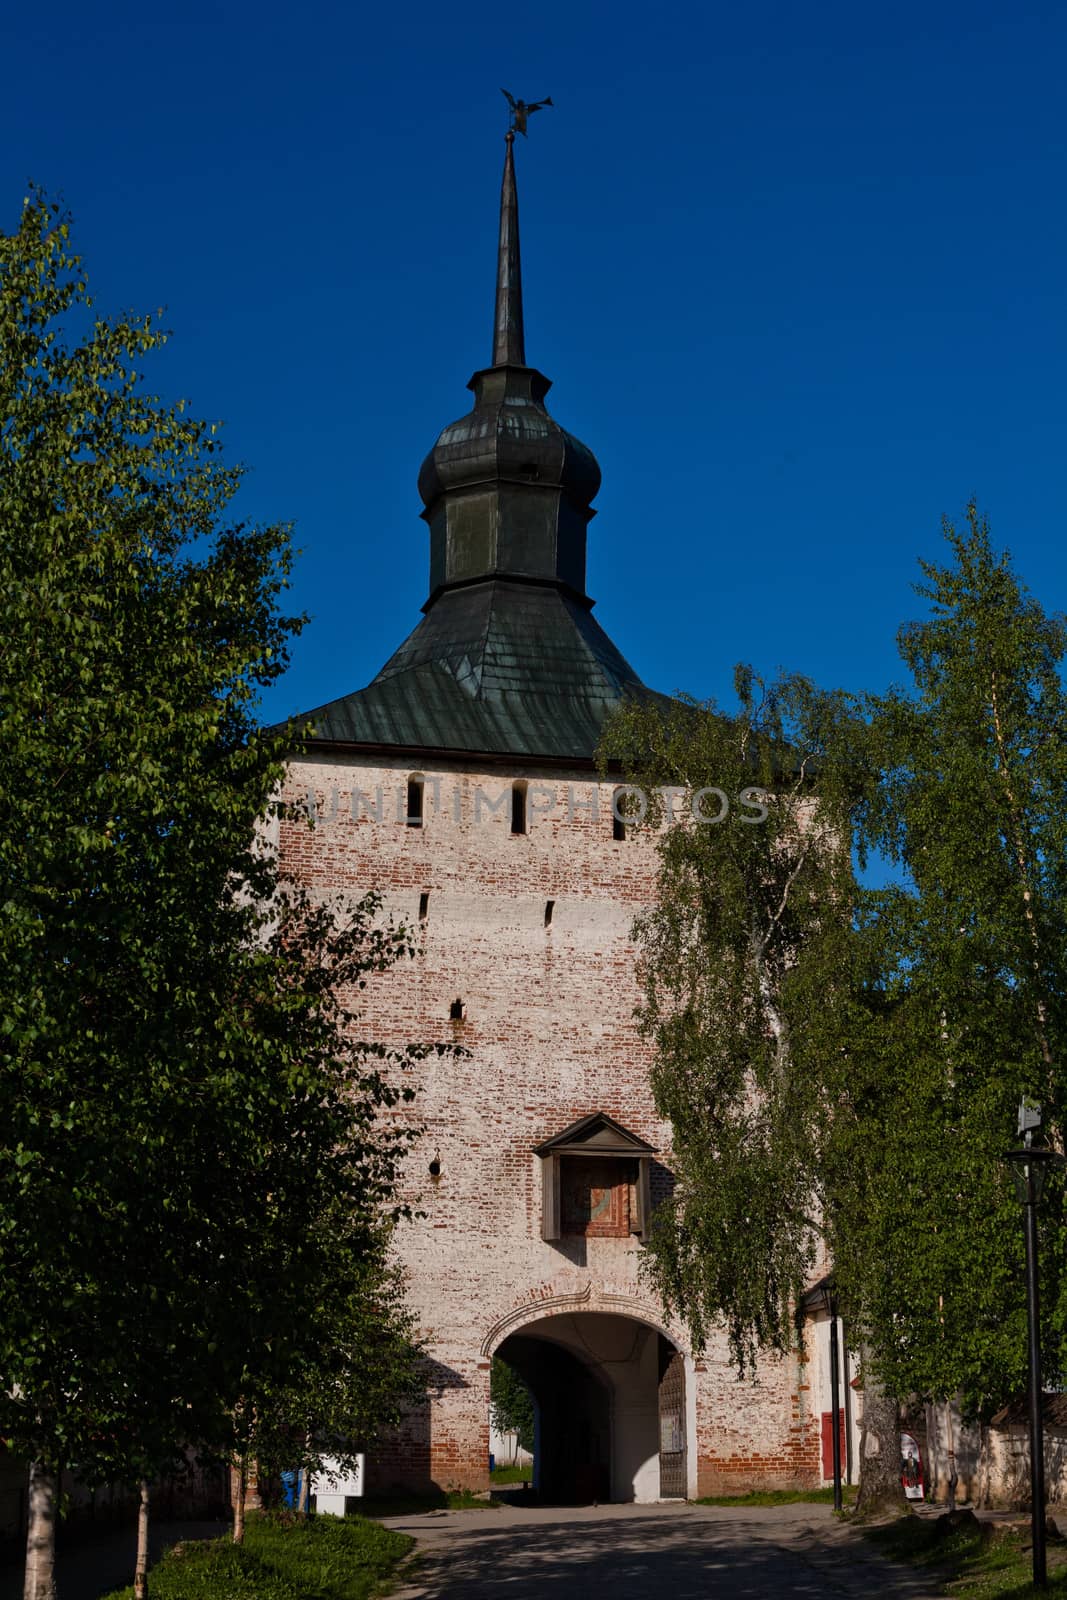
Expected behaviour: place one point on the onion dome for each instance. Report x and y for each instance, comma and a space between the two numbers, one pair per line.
507, 491
508, 660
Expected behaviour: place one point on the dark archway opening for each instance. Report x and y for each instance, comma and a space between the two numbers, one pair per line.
572, 1450
610, 1398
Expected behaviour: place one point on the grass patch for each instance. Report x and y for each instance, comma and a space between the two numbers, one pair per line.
989, 1562
410, 1505
325, 1558
467, 1500
778, 1497
511, 1475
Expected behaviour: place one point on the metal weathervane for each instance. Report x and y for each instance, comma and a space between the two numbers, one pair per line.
521, 111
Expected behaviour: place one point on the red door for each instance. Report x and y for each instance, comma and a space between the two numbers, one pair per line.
828, 1441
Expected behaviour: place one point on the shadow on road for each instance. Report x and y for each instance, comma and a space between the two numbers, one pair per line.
639, 1557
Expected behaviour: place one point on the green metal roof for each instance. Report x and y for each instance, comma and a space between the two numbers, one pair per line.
499, 667
507, 660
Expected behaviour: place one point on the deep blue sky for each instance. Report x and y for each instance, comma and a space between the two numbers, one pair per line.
797, 273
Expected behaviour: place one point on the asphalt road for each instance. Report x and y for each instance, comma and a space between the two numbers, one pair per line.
658, 1552
661, 1552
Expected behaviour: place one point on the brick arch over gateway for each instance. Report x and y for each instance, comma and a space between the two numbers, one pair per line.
612, 1393
556, 1305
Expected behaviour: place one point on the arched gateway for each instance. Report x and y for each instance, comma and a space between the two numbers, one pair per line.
610, 1399
462, 786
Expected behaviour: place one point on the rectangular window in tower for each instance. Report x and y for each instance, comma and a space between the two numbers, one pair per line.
416, 786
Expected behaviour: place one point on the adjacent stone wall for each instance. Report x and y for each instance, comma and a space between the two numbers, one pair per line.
992, 1462
527, 937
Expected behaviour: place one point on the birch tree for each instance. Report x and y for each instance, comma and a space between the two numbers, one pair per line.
182, 1082
959, 987
754, 891
841, 1064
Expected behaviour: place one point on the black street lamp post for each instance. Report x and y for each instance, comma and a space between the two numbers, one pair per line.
830, 1301
1029, 1166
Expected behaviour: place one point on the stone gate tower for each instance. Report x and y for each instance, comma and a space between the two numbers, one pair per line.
461, 784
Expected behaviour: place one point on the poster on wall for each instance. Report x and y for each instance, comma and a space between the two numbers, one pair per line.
671, 1433
911, 1467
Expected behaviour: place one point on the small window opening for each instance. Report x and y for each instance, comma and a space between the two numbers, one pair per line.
414, 816
550, 906
457, 1011
518, 807
530, 469
424, 906
435, 1167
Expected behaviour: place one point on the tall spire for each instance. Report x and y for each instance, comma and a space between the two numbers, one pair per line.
508, 660
509, 345
507, 492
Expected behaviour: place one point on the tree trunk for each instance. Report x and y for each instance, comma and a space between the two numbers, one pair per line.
237, 1486
40, 1579
950, 1453
880, 1491
140, 1571
303, 1501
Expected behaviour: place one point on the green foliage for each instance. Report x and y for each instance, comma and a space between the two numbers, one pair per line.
186, 1109
512, 1403
343, 1559
844, 1065
322, 1559
220, 1570
990, 1561
958, 980
733, 958
362, 1373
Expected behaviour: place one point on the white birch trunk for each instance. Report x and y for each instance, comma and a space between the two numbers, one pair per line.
238, 1481
40, 1580
140, 1571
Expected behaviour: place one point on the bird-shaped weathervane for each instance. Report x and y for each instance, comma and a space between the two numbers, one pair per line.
520, 111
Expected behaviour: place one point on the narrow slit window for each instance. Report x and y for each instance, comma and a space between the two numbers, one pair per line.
518, 807
550, 906
457, 1011
618, 818
416, 786
424, 906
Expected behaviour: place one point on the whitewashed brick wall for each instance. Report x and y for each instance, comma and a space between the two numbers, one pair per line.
550, 1034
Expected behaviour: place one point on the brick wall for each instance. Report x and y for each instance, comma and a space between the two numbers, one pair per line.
548, 1023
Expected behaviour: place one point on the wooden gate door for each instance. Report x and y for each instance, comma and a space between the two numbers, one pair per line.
672, 1485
